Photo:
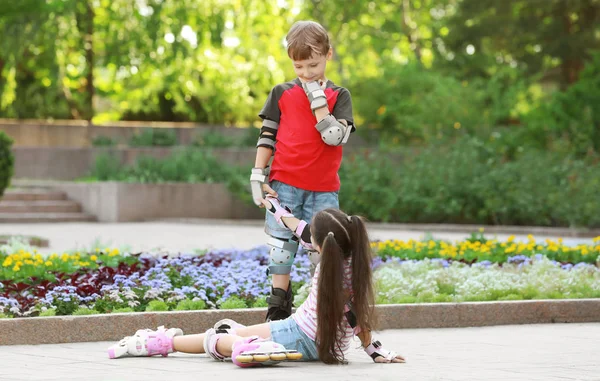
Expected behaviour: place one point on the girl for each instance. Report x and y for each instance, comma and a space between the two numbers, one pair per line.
339, 306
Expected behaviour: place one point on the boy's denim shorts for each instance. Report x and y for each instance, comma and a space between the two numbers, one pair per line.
304, 205
288, 333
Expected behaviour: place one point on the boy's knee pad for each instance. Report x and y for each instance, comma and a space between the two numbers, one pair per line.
282, 253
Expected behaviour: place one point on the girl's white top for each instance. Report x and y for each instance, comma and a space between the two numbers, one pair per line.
306, 314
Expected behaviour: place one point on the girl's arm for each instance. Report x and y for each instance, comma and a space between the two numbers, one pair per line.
286, 219
374, 349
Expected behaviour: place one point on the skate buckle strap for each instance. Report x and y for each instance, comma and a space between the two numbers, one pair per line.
375, 350
279, 301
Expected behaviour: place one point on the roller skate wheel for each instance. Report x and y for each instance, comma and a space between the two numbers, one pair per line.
278, 356
294, 355
261, 358
244, 359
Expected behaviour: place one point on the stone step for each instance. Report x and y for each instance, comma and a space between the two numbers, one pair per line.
44, 206
25, 218
33, 195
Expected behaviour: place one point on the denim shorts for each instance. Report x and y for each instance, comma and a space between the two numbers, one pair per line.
304, 205
288, 333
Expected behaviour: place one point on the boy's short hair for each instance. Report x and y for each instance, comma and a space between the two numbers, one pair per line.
305, 39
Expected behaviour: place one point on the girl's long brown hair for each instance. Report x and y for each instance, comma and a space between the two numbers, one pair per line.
341, 237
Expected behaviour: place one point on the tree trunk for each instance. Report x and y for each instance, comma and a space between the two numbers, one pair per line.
89, 57
411, 33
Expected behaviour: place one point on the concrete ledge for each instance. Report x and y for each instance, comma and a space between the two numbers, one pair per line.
113, 327
124, 202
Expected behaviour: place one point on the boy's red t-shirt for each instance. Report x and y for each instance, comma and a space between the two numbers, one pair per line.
301, 157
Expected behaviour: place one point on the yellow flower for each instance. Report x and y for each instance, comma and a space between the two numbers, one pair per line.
48, 263
93, 258
28, 262
7, 262
16, 268
511, 238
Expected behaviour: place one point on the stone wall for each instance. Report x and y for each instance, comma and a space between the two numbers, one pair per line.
70, 163
121, 202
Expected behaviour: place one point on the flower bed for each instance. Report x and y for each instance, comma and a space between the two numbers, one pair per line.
108, 281
478, 248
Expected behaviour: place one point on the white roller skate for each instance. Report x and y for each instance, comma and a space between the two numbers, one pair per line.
254, 351
228, 326
146, 342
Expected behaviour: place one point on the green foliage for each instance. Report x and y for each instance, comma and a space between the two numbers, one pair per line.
260, 302
466, 182
408, 103
7, 161
157, 306
154, 137
81, 311
106, 167
103, 141
190, 305
4, 316
233, 302
48, 312
191, 165
125, 310
216, 139
571, 117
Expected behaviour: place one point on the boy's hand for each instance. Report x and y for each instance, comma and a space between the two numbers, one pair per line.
268, 191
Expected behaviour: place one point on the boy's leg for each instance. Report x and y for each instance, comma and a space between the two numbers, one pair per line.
282, 251
313, 203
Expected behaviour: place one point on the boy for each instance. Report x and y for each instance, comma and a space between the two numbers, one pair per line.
305, 123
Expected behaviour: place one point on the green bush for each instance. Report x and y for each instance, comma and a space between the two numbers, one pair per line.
85, 311
260, 302
571, 118
154, 137
233, 302
103, 141
466, 182
190, 305
410, 103
107, 167
48, 312
7, 161
189, 165
124, 310
157, 305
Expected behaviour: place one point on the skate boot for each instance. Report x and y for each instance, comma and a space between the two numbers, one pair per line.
280, 304
228, 326
254, 351
146, 342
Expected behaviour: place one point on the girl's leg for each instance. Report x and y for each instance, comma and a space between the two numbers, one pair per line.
195, 343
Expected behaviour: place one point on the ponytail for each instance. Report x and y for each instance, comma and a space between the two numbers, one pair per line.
341, 237
362, 276
330, 300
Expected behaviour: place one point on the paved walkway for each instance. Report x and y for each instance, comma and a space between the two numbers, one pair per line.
186, 237
526, 352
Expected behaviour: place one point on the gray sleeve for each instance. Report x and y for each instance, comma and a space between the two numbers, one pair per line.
270, 109
343, 107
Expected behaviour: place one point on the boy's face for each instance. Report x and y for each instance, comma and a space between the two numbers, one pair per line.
312, 69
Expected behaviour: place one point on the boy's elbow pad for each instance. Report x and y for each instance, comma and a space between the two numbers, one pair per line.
333, 132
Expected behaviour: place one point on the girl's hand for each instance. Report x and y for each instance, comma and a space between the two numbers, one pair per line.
397, 359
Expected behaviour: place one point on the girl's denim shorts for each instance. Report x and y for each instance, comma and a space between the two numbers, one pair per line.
288, 333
